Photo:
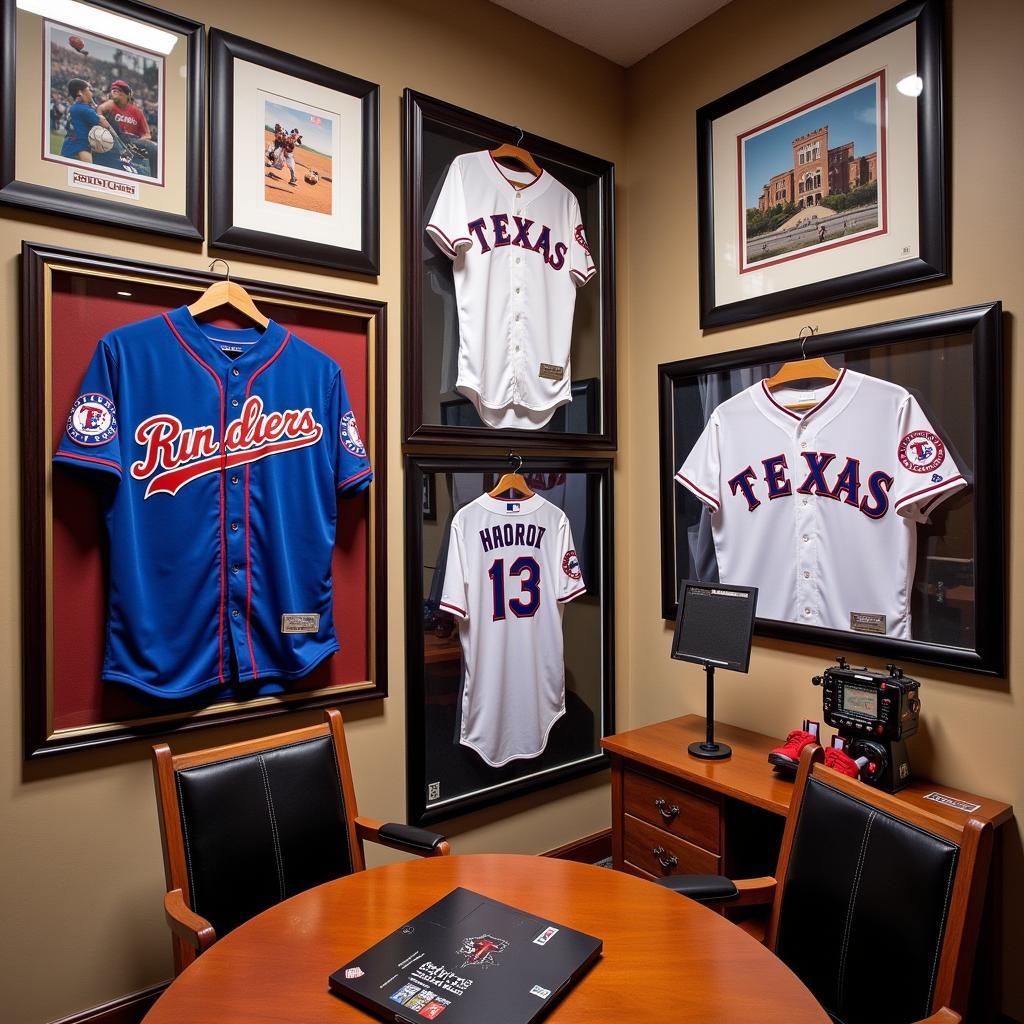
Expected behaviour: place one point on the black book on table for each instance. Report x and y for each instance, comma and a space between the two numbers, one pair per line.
465, 960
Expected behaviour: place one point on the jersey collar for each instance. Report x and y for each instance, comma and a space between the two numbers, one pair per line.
511, 506
530, 191
835, 399
258, 346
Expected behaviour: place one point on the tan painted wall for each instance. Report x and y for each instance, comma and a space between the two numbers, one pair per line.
83, 880
972, 725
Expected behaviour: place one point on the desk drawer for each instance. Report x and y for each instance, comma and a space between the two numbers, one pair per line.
675, 810
659, 854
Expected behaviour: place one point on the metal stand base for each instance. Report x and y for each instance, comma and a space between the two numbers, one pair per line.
710, 751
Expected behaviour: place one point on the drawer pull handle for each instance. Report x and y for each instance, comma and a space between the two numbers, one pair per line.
668, 862
668, 813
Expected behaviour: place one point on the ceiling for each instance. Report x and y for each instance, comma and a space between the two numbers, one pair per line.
624, 32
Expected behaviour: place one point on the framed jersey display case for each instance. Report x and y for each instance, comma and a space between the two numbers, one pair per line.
861, 487
509, 284
509, 643
203, 502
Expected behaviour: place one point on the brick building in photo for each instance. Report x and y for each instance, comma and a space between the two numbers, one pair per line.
818, 171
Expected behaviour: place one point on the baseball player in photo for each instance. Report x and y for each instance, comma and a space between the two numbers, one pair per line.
819, 510
226, 450
129, 122
511, 567
519, 253
81, 118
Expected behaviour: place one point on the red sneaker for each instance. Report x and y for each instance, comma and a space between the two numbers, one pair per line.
788, 755
840, 761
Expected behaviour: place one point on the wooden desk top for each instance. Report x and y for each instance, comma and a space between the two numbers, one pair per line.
665, 957
749, 777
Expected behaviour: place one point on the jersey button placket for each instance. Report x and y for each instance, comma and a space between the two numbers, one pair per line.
518, 305
234, 496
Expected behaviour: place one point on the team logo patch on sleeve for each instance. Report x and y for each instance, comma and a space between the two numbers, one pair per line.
571, 566
582, 238
921, 451
350, 435
93, 420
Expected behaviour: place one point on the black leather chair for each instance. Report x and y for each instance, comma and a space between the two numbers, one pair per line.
247, 825
876, 905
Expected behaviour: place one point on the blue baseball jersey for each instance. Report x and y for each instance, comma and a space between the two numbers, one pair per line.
227, 450
81, 118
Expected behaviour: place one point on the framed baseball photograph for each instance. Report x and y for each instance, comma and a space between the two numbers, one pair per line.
509, 639
203, 501
294, 157
855, 478
104, 105
509, 328
826, 178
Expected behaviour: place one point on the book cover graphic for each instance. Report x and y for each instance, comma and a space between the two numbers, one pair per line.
467, 959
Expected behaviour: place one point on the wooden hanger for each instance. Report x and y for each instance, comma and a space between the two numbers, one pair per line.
815, 368
513, 482
227, 293
506, 151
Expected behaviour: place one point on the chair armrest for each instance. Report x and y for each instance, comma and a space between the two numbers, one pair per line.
186, 923
942, 1016
745, 892
403, 837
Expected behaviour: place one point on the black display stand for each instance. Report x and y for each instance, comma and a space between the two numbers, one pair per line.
714, 626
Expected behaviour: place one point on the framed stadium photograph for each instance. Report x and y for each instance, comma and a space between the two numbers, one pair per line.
857, 479
294, 158
104, 103
509, 628
323, 643
826, 178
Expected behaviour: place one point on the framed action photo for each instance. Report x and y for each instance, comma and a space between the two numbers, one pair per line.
826, 178
265, 643
509, 629
104, 106
509, 284
863, 492
294, 158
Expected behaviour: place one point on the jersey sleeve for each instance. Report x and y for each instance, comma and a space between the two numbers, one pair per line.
91, 437
568, 573
926, 473
581, 262
447, 223
351, 467
455, 593
700, 472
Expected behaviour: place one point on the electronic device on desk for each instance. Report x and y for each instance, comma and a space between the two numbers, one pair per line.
714, 626
874, 712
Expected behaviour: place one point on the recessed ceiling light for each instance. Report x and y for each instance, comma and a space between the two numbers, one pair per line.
92, 19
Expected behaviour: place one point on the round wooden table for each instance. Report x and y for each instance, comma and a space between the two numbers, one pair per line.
665, 957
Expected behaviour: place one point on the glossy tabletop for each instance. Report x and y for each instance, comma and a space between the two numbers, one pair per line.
665, 957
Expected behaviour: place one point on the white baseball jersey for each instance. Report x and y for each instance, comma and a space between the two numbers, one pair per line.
819, 510
511, 566
520, 253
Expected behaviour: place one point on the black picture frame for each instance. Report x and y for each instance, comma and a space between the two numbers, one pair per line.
975, 587
225, 48
466, 131
489, 786
48, 272
933, 258
43, 199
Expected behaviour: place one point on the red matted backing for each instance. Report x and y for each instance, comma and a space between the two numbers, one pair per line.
83, 309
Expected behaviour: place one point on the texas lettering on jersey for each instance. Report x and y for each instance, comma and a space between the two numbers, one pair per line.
496, 233
846, 486
174, 455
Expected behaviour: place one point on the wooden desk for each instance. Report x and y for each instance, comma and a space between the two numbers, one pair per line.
665, 957
730, 813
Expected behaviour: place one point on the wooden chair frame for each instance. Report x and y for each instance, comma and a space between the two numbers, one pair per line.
193, 934
975, 840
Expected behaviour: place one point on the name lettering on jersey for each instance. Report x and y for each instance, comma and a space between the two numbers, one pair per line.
512, 535
174, 455
845, 486
496, 235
